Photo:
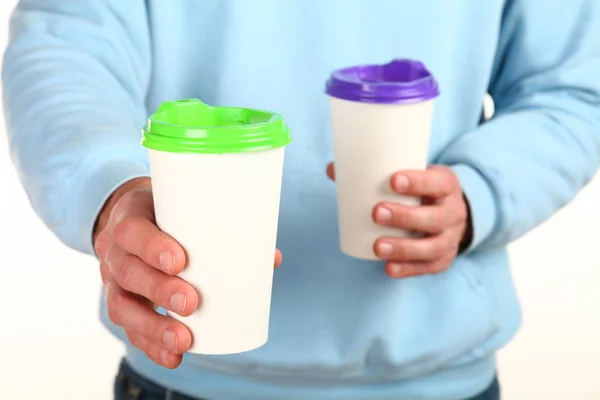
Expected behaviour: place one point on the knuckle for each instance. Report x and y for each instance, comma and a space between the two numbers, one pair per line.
124, 229
443, 184
102, 243
110, 258
155, 331
439, 252
146, 328
126, 200
449, 246
104, 272
418, 183
404, 217
408, 251
446, 184
452, 252
155, 242
153, 290
400, 250
123, 273
139, 195
120, 210
133, 337
439, 220
441, 248
446, 180
136, 340
114, 307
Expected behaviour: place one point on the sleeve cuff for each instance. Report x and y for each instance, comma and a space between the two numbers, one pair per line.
481, 201
92, 188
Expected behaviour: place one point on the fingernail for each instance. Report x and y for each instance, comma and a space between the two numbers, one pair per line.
383, 214
170, 340
164, 356
167, 261
400, 183
385, 249
178, 302
395, 269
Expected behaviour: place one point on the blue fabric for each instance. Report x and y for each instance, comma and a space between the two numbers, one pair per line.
80, 77
130, 385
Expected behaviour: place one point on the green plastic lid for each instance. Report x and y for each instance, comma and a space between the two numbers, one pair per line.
190, 126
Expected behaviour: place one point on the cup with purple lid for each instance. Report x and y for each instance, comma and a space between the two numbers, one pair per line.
381, 118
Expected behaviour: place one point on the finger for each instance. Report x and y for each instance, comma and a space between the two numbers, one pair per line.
102, 244
407, 270
331, 171
104, 263
139, 236
431, 219
104, 273
429, 248
154, 352
136, 315
278, 258
437, 181
169, 292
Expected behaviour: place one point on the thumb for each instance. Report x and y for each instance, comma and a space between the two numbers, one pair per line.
115, 198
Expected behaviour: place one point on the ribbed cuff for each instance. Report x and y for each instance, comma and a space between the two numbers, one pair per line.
91, 189
481, 202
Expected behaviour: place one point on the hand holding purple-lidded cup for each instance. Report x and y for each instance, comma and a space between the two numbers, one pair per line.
381, 121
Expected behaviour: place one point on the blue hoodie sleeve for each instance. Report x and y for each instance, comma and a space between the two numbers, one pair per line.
543, 143
75, 77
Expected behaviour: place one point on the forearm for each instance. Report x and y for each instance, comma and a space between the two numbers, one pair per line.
520, 169
74, 105
543, 144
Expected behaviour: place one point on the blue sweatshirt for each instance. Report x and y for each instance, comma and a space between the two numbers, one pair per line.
80, 78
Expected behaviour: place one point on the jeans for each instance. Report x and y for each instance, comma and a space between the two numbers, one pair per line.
131, 386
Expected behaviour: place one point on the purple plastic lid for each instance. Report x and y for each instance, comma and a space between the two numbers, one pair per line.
400, 81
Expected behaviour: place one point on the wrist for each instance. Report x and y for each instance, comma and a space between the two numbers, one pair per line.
104, 215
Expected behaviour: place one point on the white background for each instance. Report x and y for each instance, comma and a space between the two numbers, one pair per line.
52, 346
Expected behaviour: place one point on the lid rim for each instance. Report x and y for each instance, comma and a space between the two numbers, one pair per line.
399, 81
382, 100
162, 134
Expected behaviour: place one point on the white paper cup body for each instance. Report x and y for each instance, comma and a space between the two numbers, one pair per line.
223, 209
371, 142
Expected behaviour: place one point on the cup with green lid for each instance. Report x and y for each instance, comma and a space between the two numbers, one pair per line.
216, 178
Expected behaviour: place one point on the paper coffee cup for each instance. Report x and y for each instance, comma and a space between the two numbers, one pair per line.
216, 179
381, 119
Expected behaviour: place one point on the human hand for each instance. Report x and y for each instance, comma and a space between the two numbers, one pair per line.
443, 218
139, 264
